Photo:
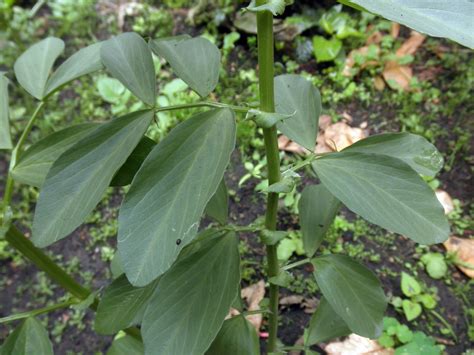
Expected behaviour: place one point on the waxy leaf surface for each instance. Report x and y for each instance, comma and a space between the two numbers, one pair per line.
188, 307
32, 68
34, 164
196, 61
353, 292
385, 191
85, 61
416, 151
218, 206
161, 211
30, 337
122, 305
236, 337
297, 97
325, 324
5, 138
78, 179
317, 208
128, 58
438, 18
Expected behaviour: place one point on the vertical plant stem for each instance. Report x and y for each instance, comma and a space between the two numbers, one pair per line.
267, 104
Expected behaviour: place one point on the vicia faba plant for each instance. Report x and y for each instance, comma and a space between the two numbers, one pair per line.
174, 284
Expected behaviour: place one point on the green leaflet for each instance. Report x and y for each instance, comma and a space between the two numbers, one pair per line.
126, 345
385, 191
122, 305
276, 7
35, 162
84, 61
317, 208
125, 174
438, 18
32, 68
196, 61
416, 151
236, 337
192, 298
5, 138
128, 58
297, 97
218, 205
353, 292
79, 177
325, 324
30, 337
161, 211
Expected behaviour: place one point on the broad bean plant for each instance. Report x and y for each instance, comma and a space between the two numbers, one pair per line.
175, 283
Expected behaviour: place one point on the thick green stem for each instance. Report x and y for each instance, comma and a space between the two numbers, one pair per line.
21, 243
267, 104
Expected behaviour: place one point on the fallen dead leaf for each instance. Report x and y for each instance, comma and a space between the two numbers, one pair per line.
284, 143
324, 122
356, 345
445, 200
233, 312
350, 60
374, 38
254, 294
411, 45
464, 249
310, 305
340, 135
291, 300
397, 76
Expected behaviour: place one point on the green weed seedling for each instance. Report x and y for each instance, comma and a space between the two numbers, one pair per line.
174, 284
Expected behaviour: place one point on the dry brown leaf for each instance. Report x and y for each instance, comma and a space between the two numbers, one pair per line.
291, 300
395, 29
340, 135
445, 200
324, 122
356, 345
310, 305
254, 294
379, 84
411, 45
284, 143
464, 249
399, 74
321, 146
350, 61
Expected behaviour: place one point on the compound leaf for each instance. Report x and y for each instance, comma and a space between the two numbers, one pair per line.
416, 151
35, 162
196, 61
79, 177
317, 208
162, 209
385, 191
32, 68
236, 337
353, 292
128, 58
189, 305
85, 61
297, 97
30, 337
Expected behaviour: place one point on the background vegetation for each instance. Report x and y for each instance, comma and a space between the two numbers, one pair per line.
373, 76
